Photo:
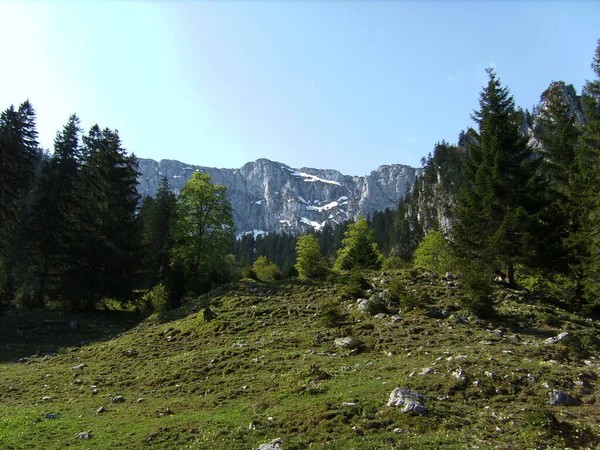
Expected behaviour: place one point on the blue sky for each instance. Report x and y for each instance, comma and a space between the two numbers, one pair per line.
348, 85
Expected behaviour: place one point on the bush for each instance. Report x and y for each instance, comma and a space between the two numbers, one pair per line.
433, 253
155, 300
394, 263
248, 272
355, 287
266, 270
331, 315
475, 281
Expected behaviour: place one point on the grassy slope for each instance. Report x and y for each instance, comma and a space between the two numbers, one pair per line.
266, 368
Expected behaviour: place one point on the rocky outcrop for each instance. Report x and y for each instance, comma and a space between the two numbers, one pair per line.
269, 196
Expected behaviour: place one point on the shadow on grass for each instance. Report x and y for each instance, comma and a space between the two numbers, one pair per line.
24, 333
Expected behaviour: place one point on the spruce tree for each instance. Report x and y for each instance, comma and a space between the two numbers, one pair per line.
359, 250
496, 214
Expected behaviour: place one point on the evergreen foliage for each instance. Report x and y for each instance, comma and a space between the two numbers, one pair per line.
496, 214
359, 249
309, 262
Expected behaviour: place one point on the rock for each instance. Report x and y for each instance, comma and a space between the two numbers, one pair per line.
380, 316
79, 366
556, 397
46, 399
411, 400
555, 339
373, 305
139, 400
118, 399
449, 276
51, 416
208, 314
83, 435
345, 342
459, 374
426, 371
100, 410
273, 445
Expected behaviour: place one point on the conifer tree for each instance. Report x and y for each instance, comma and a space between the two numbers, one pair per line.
359, 250
496, 213
309, 261
19, 154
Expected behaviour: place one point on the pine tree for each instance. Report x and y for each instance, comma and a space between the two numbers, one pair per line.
51, 224
102, 257
359, 250
585, 242
496, 212
19, 154
309, 261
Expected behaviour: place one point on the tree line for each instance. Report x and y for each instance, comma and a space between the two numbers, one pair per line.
74, 230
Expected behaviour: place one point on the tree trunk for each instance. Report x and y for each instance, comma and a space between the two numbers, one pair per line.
510, 275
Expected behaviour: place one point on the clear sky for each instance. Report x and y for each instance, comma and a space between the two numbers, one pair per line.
347, 85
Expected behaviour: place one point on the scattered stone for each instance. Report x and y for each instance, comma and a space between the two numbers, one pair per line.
373, 305
459, 374
46, 399
51, 416
546, 385
411, 400
345, 342
490, 374
100, 410
476, 383
83, 435
79, 366
426, 371
94, 391
23, 360
556, 397
380, 316
118, 399
348, 404
239, 344
555, 339
273, 445
139, 400
398, 430
449, 276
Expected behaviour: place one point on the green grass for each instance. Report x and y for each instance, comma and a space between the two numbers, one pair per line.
267, 367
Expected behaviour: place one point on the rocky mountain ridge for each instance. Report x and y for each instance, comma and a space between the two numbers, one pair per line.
269, 196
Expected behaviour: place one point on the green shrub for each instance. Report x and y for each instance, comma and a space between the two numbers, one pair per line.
433, 253
155, 300
266, 270
248, 272
394, 263
476, 285
331, 315
355, 287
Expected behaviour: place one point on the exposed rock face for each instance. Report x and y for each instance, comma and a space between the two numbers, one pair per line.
268, 196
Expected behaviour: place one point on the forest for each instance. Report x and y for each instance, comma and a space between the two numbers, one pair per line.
501, 205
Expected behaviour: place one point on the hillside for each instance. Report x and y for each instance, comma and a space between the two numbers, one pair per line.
268, 366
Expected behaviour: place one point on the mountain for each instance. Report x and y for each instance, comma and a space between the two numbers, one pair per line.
269, 196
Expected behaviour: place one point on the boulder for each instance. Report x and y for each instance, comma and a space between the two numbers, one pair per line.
373, 305
556, 397
555, 339
273, 445
411, 400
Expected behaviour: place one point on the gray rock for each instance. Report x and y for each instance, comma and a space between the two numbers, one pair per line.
79, 366
273, 445
268, 196
83, 435
118, 399
100, 410
51, 416
345, 342
555, 339
412, 401
373, 305
556, 397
